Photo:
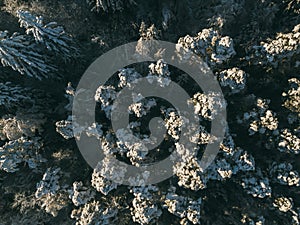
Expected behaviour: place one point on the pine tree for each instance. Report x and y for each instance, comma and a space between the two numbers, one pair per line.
109, 5
12, 94
18, 52
52, 36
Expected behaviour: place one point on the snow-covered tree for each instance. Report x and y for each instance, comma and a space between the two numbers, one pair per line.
109, 5
17, 52
52, 36
12, 94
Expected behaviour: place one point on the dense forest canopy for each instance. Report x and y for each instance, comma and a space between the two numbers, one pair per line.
251, 48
